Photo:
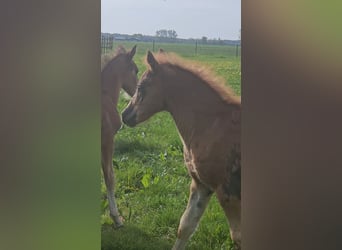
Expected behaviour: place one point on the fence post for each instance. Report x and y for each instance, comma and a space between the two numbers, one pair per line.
237, 50
153, 46
196, 48
102, 45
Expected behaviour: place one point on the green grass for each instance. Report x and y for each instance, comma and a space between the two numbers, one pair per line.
152, 183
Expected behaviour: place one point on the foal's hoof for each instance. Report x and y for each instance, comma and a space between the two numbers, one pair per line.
118, 222
118, 226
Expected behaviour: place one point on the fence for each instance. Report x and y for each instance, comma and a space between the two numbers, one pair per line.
187, 49
106, 43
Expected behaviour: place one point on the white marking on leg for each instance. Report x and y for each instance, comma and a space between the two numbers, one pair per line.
198, 201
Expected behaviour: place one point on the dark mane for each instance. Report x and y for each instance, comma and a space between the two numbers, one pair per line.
214, 82
109, 57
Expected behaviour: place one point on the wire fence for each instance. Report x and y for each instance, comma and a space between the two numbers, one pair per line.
187, 49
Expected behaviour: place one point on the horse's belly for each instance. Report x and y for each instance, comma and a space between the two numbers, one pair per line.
213, 166
208, 172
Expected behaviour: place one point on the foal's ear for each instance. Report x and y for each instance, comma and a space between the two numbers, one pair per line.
132, 52
152, 61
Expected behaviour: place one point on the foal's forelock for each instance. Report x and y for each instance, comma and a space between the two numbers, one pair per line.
120, 50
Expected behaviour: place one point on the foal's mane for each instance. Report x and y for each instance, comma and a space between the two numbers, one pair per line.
109, 57
214, 82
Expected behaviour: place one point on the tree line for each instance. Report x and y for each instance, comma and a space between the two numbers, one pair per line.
171, 36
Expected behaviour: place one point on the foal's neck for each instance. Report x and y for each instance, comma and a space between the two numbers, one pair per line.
110, 82
193, 105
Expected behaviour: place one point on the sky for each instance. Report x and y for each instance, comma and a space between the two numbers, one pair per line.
189, 18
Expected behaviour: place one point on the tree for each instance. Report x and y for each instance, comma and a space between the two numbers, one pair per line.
204, 39
172, 34
169, 33
161, 33
166, 33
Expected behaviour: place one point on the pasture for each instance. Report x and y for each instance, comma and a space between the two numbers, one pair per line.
152, 183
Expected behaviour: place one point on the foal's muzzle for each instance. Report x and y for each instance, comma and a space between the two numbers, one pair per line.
129, 116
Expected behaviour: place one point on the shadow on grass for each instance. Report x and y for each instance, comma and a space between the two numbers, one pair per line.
129, 238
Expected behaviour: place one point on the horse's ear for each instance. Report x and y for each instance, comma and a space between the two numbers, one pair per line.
132, 52
152, 61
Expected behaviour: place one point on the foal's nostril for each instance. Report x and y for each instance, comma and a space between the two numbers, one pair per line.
130, 120
124, 118
129, 116
126, 112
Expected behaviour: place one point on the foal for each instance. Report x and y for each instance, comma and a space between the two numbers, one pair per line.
207, 116
117, 72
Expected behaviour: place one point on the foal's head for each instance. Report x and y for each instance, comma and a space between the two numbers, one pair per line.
129, 74
148, 98
121, 69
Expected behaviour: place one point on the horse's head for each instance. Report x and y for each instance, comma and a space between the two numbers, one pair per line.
129, 74
148, 98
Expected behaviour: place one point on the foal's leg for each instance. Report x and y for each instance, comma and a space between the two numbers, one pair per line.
107, 149
232, 208
198, 201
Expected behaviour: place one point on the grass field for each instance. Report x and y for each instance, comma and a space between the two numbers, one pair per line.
152, 183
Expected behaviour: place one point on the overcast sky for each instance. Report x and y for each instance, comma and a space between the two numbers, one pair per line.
189, 18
